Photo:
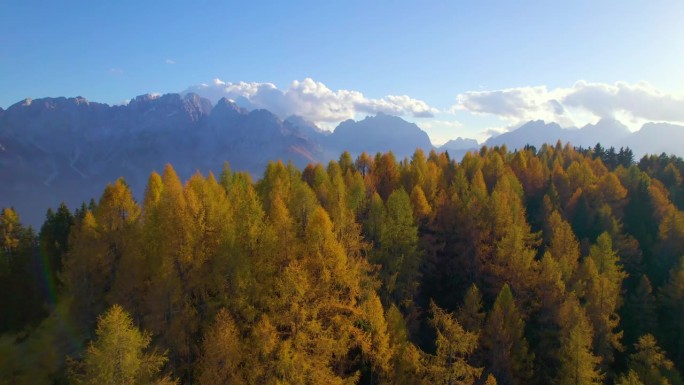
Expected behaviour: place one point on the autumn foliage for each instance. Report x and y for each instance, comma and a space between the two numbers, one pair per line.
556, 266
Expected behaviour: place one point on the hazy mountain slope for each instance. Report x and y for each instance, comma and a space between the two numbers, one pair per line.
380, 133
66, 149
59, 149
306, 128
535, 133
459, 144
608, 132
656, 138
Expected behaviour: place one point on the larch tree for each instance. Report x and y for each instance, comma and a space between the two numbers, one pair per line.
506, 349
491, 380
364, 164
102, 243
578, 364
630, 378
671, 309
375, 339
603, 278
545, 330
421, 207
399, 255
118, 355
373, 224
385, 174
416, 171
9, 229
168, 310
54, 237
346, 162
356, 191
248, 255
84, 271
222, 356
640, 312
651, 364
471, 314
449, 366
314, 308
23, 303
511, 259
563, 246
408, 366
117, 217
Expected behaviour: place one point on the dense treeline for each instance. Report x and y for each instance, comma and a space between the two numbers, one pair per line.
549, 266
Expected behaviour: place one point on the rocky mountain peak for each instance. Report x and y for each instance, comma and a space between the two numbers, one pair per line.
225, 107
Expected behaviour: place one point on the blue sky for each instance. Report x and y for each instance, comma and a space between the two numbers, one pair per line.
454, 68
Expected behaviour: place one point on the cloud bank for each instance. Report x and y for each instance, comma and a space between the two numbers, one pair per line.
638, 101
478, 114
311, 100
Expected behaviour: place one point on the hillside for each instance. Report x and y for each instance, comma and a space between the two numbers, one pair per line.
525, 267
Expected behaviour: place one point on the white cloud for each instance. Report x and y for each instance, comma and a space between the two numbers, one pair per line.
639, 100
634, 102
451, 124
494, 131
170, 61
311, 100
516, 104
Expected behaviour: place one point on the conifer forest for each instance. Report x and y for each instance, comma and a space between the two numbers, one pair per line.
551, 265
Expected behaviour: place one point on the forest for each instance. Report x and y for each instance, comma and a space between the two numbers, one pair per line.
556, 265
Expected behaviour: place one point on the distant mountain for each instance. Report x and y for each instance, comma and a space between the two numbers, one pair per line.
535, 133
459, 144
305, 128
67, 149
652, 138
380, 133
657, 138
608, 132
457, 148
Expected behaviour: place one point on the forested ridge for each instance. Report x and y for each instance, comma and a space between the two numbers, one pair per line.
556, 265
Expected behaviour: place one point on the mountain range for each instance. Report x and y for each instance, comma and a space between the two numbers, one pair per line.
652, 138
56, 150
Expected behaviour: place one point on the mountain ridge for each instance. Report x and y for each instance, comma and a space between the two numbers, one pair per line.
65, 149
651, 138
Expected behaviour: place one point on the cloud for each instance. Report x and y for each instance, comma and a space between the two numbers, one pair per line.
517, 104
447, 124
639, 101
170, 61
312, 100
494, 131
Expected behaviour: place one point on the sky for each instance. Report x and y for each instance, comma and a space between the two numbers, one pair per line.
455, 68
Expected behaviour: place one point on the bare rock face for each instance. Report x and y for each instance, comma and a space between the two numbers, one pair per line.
61, 149
67, 149
55, 150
